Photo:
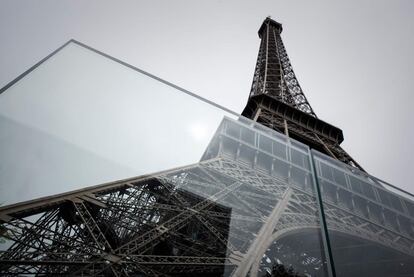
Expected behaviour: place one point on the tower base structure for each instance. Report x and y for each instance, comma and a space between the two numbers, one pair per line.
250, 204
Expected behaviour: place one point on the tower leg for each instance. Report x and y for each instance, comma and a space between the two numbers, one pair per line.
260, 243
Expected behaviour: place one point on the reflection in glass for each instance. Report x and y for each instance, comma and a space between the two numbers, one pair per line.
370, 226
281, 197
231, 214
229, 197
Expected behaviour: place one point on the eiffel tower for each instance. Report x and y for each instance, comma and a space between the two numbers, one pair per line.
278, 102
273, 189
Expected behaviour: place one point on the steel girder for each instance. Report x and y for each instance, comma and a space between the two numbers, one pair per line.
320, 142
203, 219
274, 74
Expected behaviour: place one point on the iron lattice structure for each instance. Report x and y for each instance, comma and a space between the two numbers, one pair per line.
219, 217
275, 85
231, 214
274, 74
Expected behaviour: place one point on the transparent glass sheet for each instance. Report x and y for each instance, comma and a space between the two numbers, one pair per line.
216, 195
191, 189
370, 223
82, 119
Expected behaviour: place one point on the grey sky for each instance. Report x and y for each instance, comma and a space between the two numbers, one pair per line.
353, 59
82, 119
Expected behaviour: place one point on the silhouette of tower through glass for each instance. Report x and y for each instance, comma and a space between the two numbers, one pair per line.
273, 191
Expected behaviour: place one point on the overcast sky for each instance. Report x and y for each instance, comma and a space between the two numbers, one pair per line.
353, 59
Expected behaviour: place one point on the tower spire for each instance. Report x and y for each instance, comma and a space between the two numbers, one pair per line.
277, 101
274, 75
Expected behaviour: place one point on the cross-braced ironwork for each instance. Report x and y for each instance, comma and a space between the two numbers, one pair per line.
274, 74
229, 214
214, 218
275, 85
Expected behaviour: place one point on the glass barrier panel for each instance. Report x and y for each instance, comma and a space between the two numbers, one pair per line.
215, 192
370, 223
